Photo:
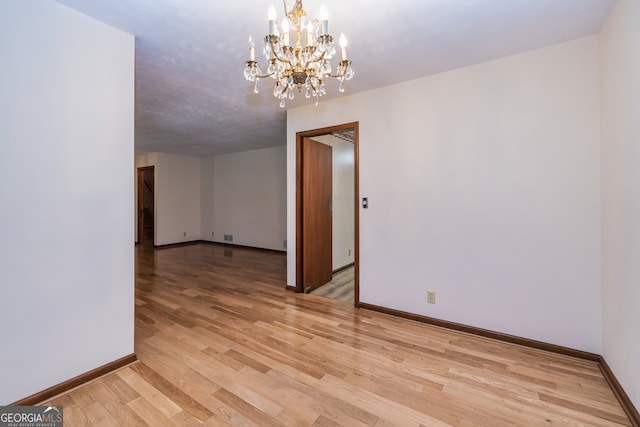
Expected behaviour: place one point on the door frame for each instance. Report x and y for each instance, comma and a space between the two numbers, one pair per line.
300, 198
140, 200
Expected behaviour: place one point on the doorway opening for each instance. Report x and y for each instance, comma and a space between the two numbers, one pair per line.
146, 195
327, 211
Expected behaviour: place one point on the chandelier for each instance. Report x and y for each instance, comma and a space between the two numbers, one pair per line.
295, 62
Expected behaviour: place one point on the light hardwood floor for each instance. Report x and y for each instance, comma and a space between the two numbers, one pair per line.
220, 342
341, 286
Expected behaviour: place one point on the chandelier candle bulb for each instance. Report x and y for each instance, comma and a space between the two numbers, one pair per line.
272, 20
310, 34
285, 30
324, 17
252, 49
343, 44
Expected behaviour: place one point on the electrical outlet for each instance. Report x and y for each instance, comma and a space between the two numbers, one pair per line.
431, 297
349, 252
184, 233
212, 234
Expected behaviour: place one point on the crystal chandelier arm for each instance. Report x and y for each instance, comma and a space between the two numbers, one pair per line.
276, 56
343, 69
254, 64
320, 58
285, 61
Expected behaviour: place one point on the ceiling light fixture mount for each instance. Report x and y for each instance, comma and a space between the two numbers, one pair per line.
298, 65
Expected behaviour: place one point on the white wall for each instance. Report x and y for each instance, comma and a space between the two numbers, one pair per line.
244, 194
620, 61
177, 199
343, 204
483, 185
66, 252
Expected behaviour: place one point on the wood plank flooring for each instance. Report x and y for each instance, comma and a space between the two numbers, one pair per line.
341, 286
221, 343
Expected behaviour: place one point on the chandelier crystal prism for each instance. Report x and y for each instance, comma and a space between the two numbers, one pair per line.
295, 62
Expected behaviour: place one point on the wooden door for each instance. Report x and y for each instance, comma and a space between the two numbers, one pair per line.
145, 195
140, 207
316, 207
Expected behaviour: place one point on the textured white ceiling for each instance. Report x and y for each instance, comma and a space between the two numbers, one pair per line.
191, 96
